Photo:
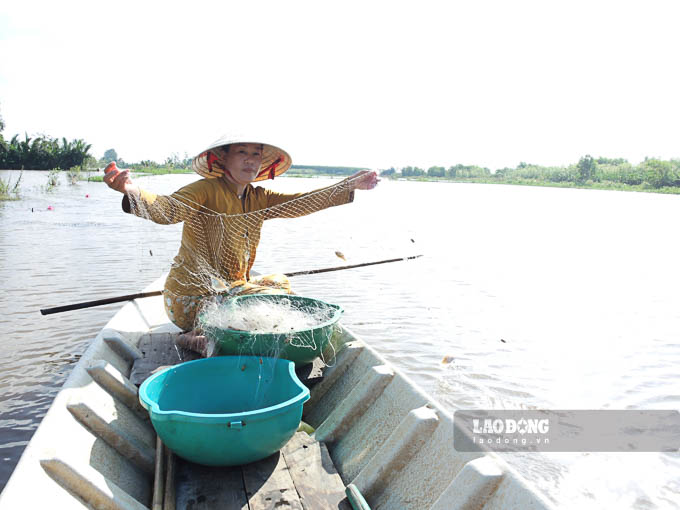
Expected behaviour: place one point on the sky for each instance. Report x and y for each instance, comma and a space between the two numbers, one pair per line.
371, 83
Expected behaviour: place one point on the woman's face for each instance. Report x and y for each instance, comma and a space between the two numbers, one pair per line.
243, 161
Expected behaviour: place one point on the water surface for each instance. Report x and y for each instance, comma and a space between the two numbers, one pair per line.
544, 298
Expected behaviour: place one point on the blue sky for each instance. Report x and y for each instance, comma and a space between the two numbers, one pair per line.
371, 84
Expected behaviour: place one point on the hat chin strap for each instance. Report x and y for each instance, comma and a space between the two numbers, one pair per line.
212, 159
271, 169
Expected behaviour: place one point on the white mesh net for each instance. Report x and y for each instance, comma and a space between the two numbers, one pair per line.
219, 243
264, 316
294, 327
219, 247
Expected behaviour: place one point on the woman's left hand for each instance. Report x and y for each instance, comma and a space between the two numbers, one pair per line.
365, 179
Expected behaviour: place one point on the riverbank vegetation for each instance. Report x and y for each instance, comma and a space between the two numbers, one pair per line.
313, 171
42, 153
46, 153
173, 164
52, 179
161, 170
601, 173
10, 190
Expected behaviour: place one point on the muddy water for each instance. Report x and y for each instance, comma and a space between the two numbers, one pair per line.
542, 298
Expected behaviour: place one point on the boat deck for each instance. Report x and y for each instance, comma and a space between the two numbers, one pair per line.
300, 476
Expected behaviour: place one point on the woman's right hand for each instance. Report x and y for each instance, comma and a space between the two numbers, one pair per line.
118, 179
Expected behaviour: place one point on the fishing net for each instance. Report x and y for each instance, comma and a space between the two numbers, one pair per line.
294, 327
220, 237
264, 316
219, 247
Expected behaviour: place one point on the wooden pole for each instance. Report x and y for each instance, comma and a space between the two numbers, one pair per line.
341, 268
130, 297
98, 302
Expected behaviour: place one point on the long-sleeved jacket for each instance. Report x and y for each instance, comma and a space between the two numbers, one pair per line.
222, 230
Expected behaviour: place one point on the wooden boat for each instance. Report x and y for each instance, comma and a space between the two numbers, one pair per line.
387, 439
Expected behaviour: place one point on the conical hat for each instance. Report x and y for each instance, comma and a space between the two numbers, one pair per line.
275, 161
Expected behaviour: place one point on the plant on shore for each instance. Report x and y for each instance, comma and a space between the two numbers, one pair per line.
9, 190
52, 179
306, 170
86, 170
73, 174
172, 165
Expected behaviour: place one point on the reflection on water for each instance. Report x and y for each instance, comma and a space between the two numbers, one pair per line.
542, 298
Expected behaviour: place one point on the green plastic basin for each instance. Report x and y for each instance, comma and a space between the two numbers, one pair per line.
300, 346
225, 411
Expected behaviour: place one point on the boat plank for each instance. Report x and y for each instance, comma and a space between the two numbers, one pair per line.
269, 485
158, 351
314, 475
206, 488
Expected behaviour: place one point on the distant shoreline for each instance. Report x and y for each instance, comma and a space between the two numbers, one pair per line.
611, 186
519, 182
292, 173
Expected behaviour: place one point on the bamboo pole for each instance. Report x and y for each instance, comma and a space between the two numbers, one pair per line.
130, 297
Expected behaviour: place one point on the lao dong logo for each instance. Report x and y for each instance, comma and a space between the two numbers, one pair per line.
510, 426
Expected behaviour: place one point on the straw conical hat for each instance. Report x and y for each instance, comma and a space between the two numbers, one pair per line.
275, 161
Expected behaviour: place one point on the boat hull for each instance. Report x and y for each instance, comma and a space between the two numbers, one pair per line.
388, 438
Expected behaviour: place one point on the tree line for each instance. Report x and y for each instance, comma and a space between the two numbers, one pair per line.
325, 170
650, 173
42, 153
172, 161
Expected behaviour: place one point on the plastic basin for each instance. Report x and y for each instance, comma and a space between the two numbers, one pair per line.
300, 346
225, 411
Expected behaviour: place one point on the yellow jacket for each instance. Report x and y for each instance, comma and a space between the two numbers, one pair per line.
222, 230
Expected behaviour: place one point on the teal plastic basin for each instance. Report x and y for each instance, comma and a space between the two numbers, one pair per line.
300, 346
225, 411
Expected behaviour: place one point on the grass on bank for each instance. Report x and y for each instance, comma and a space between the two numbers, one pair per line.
651, 175
163, 171
76, 174
607, 185
52, 179
10, 190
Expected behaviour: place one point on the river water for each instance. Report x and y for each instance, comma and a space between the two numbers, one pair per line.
542, 297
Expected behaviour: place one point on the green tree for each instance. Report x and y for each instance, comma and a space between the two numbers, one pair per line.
658, 173
436, 171
110, 155
173, 161
611, 161
586, 168
42, 153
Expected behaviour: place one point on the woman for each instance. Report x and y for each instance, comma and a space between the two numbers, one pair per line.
223, 215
